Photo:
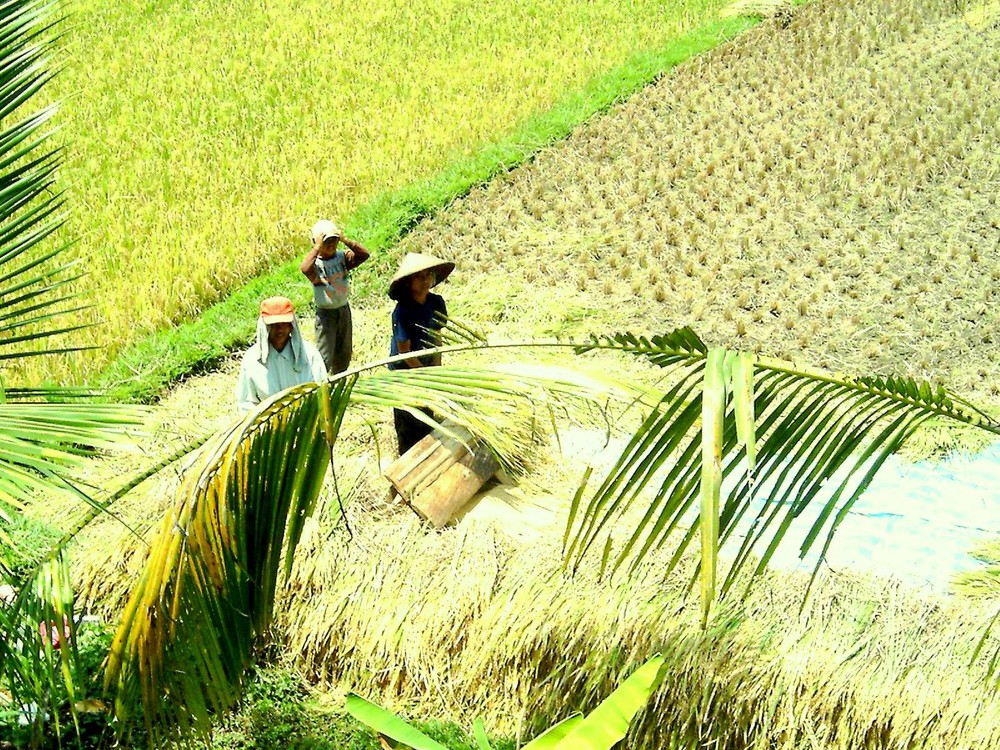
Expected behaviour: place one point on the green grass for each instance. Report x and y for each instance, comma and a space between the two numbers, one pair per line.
205, 138
143, 370
30, 540
279, 712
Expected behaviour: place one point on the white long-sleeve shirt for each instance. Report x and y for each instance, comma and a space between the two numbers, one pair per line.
258, 380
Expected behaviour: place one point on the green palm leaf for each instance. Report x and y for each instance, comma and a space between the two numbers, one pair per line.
602, 729
38, 648
38, 441
208, 587
41, 435
606, 725
763, 423
498, 404
387, 723
551, 737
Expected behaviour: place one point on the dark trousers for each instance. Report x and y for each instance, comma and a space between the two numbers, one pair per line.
335, 338
409, 429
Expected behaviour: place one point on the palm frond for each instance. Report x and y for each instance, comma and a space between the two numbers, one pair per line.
40, 439
806, 428
29, 206
208, 587
501, 404
38, 650
455, 331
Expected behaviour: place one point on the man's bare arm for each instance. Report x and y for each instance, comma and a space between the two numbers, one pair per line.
404, 347
308, 266
356, 253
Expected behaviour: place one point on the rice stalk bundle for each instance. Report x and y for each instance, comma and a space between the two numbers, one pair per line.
475, 621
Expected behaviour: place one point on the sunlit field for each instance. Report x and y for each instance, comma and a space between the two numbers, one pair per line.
768, 183
204, 138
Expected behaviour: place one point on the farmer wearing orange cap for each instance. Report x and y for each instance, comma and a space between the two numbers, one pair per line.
327, 266
279, 358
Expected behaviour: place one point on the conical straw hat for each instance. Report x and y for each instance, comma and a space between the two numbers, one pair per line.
415, 263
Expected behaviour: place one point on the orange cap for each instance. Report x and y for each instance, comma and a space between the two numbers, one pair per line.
277, 310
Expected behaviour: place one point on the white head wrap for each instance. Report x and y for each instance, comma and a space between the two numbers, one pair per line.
299, 359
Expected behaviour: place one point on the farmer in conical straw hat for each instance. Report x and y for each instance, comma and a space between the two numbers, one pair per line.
279, 358
418, 316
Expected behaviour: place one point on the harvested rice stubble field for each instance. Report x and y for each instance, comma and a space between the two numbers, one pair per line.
205, 138
825, 191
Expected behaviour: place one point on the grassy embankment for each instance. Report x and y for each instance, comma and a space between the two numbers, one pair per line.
204, 140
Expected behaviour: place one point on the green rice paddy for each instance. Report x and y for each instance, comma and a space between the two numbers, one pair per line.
205, 138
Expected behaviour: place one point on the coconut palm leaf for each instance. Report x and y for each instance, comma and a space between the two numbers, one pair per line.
38, 650
34, 275
500, 404
34, 302
761, 427
40, 438
38, 441
39, 671
208, 587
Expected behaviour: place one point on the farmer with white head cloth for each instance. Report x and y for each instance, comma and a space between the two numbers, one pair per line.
279, 358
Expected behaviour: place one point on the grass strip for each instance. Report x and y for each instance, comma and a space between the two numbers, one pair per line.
143, 371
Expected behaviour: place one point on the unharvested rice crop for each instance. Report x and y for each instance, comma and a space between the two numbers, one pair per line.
204, 138
824, 189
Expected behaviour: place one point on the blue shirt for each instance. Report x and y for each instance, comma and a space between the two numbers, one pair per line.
335, 286
417, 324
